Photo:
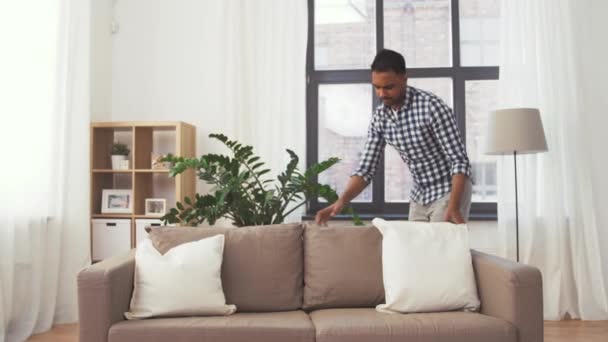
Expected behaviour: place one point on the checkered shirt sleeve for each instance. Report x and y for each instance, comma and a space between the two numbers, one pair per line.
374, 147
446, 132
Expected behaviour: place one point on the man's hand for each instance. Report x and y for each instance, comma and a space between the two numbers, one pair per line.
325, 214
453, 215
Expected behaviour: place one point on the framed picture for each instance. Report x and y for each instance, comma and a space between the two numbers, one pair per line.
116, 201
156, 206
157, 163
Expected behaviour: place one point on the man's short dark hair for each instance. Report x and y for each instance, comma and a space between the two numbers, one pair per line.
389, 60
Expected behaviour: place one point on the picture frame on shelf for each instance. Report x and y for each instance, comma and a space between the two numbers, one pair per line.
156, 206
116, 201
157, 163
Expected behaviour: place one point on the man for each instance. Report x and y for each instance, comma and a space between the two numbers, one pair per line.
422, 128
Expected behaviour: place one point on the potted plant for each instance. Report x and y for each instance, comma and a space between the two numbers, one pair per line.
242, 192
119, 153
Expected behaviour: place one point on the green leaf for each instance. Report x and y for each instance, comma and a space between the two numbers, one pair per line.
320, 167
263, 172
256, 166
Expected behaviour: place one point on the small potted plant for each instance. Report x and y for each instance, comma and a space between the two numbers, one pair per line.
119, 153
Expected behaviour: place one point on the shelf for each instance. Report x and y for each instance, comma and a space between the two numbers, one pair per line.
154, 141
111, 171
108, 180
102, 140
147, 217
146, 141
131, 170
111, 215
130, 124
152, 184
152, 170
125, 216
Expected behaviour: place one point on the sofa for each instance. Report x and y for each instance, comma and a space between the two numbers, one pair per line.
298, 282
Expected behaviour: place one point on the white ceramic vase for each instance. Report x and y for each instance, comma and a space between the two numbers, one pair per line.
116, 161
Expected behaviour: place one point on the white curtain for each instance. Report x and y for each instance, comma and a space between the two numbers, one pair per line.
44, 178
548, 47
266, 58
265, 70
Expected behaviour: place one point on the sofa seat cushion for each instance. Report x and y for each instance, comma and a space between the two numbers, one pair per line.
240, 327
362, 324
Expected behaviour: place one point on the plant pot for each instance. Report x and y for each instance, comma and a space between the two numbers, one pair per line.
116, 159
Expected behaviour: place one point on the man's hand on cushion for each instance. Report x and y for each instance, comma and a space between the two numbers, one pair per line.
453, 215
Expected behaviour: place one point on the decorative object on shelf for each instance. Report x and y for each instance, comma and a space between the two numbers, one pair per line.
515, 131
240, 191
119, 153
158, 163
116, 201
124, 164
156, 206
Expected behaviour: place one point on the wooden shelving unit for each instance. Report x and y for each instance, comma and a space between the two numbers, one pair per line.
142, 138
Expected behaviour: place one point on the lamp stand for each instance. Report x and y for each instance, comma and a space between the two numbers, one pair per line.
516, 207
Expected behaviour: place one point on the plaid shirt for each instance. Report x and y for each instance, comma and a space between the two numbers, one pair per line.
425, 134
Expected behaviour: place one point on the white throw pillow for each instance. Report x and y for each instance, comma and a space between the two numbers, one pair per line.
186, 281
427, 267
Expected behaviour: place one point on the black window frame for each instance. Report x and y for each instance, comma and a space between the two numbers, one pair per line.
459, 75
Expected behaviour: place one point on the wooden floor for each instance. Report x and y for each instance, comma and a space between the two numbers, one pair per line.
562, 331
59, 333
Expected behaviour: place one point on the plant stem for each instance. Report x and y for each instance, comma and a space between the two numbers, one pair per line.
244, 162
294, 208
284, 206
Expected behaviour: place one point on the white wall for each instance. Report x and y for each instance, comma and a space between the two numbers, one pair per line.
101, 60
166, 65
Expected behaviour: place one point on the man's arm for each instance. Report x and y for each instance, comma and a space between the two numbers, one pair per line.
355, 185
374, 147
447, 134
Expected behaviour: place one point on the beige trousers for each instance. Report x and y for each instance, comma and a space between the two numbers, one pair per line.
435, 211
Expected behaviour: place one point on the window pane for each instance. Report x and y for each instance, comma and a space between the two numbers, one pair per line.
420, 30
344, 115
481, 98
441, 87
397, 179
479, 32
345, 34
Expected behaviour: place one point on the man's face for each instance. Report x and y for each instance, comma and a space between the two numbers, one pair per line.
389, 86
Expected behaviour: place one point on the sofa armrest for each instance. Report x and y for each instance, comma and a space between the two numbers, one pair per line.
104, 295
511, 291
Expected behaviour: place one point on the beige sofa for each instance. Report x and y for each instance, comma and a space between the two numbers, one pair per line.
296, 283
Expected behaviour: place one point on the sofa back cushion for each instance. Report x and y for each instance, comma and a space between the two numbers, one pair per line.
342, 267
262, 269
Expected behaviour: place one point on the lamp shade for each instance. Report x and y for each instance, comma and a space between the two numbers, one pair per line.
515, 130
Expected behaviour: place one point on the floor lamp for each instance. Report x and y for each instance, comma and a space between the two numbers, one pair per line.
515, 131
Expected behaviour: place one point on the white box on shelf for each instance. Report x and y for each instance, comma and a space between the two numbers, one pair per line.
110, 237
140, 228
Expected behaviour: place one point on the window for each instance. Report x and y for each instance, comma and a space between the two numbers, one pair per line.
451, 49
